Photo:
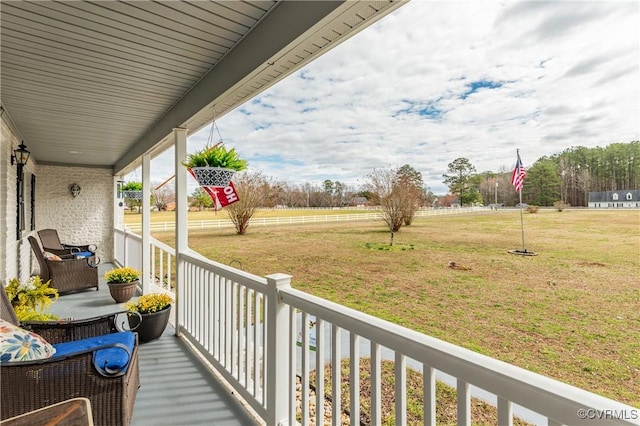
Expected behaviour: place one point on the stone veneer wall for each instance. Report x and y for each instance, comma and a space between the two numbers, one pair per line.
85, 219
15, 254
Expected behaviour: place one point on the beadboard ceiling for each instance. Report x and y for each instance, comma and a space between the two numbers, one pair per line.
98, 83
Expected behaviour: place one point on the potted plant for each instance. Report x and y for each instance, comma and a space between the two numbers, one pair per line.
214, 165
30, 299
132, 190
123, 283
154, 309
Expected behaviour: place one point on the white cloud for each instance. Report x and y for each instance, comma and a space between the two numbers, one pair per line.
558, 74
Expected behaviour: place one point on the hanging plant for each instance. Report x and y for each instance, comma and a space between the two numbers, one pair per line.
216, 156
132, 190
214, 165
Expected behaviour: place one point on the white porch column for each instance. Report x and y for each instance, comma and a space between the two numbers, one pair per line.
118, 203
277, 362
182, 207
118, 217
147, 270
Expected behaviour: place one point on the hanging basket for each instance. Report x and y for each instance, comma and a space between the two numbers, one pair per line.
213, 176
134, 195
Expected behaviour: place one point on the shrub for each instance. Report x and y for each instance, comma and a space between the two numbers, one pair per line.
533, 209
560, 205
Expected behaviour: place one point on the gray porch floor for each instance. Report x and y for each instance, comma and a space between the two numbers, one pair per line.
176, 388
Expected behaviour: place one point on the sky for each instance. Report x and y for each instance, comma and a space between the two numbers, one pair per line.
436, 81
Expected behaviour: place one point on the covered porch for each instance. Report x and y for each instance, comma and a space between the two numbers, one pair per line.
95, 90
176, 388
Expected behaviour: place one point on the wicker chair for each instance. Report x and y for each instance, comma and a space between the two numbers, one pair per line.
51, 243
31, 385
68, 274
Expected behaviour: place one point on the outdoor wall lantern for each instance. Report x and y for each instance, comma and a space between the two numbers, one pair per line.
19, 158
74, 188
20, 155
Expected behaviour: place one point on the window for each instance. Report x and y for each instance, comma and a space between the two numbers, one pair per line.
33, 202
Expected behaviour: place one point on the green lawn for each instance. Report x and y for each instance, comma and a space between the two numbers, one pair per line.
571, 313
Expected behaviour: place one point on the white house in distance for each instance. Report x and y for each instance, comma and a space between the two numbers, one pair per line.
622, 199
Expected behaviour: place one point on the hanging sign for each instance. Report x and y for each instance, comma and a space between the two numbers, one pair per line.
222, 196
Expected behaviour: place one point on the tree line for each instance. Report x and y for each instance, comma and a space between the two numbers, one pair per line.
568, 176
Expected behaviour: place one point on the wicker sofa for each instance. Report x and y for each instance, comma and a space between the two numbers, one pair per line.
67, 274
31, 385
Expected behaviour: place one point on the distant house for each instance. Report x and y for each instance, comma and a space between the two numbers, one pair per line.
359, 202
622, 199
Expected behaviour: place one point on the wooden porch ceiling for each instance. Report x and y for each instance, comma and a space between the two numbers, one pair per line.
99, 83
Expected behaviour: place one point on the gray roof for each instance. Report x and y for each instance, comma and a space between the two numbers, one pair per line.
614, 196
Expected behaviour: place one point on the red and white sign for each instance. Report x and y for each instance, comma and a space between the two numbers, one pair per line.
222, 196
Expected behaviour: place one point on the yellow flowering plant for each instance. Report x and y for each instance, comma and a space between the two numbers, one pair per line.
31, 298
122, 275
150, 303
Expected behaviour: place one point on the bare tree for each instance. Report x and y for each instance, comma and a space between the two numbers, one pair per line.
387, 192
253, 190
409, 183
162, 195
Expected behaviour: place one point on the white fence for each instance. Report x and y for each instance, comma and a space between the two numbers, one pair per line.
301, 220
254, 331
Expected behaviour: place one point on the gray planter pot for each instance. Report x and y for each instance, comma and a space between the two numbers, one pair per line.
152, 325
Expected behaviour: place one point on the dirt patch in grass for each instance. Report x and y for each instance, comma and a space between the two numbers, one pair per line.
560, 313
600, 264
387, 247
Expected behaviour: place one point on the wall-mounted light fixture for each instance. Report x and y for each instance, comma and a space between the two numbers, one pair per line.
20, 155
74, 188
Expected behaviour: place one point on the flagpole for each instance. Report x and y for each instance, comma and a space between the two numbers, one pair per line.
522, 222
517, 180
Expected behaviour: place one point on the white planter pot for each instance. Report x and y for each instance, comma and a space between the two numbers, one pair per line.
213, 176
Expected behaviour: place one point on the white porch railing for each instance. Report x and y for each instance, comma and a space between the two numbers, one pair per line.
128, 251
251, 330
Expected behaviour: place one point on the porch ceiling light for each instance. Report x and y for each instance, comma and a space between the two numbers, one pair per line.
20, 155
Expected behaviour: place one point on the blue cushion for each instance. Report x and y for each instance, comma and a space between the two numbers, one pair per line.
82, 254
109, 361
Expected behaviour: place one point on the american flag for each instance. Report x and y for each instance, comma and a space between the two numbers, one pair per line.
519, 173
